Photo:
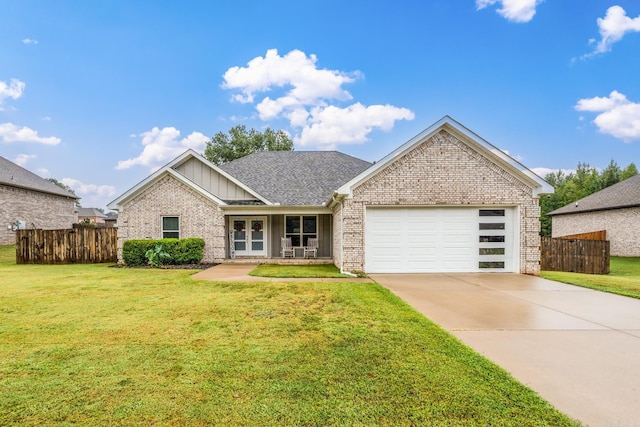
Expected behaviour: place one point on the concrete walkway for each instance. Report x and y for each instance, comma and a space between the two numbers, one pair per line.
240, 273
578, 348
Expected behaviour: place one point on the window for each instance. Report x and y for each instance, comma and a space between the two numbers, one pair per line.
170, 227
491, 212
492, 226
300, 228
491, 239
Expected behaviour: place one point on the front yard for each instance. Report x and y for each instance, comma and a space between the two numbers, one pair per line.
623, 279
93, 345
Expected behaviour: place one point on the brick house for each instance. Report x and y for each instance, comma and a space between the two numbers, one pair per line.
445, 201
26, 200
92, 215
615, 209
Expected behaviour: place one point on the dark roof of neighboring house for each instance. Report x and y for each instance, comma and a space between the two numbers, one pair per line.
17, 176
112, 215
295, 177
621, 195
90, 212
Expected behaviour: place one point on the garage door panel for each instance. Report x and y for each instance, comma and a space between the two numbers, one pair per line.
437, 240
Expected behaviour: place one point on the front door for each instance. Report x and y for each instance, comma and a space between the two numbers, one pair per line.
249, 236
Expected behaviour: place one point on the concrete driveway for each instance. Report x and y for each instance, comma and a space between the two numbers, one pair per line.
578, 348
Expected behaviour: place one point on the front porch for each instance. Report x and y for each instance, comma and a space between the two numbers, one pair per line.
255, 238
280, 261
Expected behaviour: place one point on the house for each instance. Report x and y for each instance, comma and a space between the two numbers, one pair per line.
28, 201
444, 201
111, 220
615, 209
92, 215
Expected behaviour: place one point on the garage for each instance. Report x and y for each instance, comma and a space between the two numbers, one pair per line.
440, 239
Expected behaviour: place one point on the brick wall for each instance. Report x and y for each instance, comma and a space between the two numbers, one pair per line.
622, 228
442, 171
38, 210
141, 217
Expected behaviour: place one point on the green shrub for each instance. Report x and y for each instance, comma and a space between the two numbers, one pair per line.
181, 251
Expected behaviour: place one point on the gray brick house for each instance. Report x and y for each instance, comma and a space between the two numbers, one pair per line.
445, 201
615, 209
31, 201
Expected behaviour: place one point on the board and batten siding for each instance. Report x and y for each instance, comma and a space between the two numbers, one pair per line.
212, 181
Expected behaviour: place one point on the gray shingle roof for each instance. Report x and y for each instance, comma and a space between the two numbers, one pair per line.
294, 178
17, 176
623, 194
90, 212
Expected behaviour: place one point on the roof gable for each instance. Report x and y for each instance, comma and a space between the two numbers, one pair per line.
296, 178
17, 176
171, 168
515, 168
624, 194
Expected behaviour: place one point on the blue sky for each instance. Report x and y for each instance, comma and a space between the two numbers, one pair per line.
98, 94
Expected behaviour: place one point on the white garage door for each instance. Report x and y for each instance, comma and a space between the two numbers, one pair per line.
429, 240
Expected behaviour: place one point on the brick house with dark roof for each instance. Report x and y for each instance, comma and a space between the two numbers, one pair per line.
31, 201
444, 201
615, 209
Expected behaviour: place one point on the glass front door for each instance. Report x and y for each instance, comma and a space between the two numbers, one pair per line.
249, 237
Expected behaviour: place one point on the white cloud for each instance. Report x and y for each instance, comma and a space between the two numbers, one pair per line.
23, 159
303, 94
618, 116
12, 133
543, 172
162, 145
82, 189
294, 69
29, 41
612, 28
512, 10
13, 90
92, 195
43, 172
330, 126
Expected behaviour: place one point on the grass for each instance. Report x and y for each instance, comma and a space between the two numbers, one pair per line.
297, 271
93, 345
623, 279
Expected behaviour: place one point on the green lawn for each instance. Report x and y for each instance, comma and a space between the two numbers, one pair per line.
297, 271
623, 279
93, 345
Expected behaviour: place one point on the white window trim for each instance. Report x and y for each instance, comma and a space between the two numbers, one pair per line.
302, 233
162, 230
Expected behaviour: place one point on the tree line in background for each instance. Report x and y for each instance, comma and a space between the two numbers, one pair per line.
574, 186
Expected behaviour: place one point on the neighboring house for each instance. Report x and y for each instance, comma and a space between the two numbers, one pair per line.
28, 201
445, 201
111, 219
93, 215
615, 209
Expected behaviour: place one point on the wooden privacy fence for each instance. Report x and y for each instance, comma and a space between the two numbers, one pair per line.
592, 235
78, 245
575, 255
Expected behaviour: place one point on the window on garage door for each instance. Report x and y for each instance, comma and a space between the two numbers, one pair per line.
491, 239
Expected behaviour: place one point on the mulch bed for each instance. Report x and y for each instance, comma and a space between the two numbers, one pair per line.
201, 266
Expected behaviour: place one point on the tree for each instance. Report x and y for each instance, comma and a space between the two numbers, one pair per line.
240, 142
612, 174
628, 172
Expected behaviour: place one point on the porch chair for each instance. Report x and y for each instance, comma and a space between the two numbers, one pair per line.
311, 247
286, 248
